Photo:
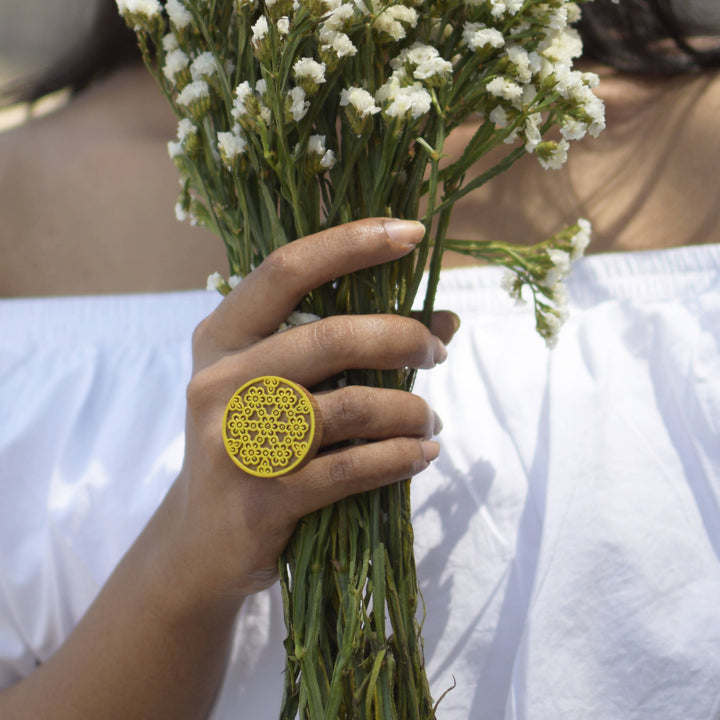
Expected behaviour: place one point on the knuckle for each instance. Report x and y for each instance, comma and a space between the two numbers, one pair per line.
343, 469
334, 334
198, 392
352, 407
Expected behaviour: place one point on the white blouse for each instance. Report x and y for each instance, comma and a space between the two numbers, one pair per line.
567, 539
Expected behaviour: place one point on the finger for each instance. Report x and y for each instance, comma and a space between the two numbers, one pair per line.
257, 306
443, 324
335, 475
314, 352
363, 413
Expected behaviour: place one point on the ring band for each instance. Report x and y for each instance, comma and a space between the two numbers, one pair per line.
271, 427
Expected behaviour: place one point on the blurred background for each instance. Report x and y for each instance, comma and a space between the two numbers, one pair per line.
35, 34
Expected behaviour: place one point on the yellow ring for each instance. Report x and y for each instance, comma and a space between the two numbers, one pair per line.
271, 427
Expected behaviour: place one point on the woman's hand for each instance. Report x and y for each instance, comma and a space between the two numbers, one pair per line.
233, 525
154, 642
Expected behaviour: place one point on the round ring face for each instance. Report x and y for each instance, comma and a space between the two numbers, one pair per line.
270, 427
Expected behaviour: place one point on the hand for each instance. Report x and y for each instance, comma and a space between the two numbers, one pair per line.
233, 525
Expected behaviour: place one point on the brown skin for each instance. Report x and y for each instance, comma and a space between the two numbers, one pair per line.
87, 194
154, 642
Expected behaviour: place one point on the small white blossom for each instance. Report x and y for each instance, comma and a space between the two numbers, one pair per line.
181, 214
203, 66
556, 157
393, 20
170, 42
339, 17
414, 100
234, 281
560, 267
361, 100
477, 36
185, 129
316, 146
215, 281
179, 15
242, 93
146, 8
193, 92
581, 239
283, 25
573, 129
175, 62
259, 30
309, 73
338, 42
230, 146
297, 318
504, 88
532, 132
298, 104
499, 117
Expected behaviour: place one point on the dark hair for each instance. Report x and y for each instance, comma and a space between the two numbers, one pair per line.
109, 44
641, 36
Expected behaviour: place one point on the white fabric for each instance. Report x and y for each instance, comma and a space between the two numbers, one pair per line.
568, 537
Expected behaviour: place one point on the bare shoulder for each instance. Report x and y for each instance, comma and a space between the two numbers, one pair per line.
87, 197
648, 181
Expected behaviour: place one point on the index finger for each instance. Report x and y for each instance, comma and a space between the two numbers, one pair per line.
265, 298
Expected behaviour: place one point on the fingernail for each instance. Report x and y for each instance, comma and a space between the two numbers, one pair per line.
430, 450
455, 321
438, 426
404, 233
440, 354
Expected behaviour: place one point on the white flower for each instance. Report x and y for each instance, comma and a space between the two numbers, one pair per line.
339, 17
230, 146
560, 267
361, 100
298, 104
573, 129
234, 281
580, 240
338, 42
259, 30
283, 25
316, 146
309, 73
170, 42
175, 62
393, 19
478, 36
146, 8
203, 66
498, 116
215, 281
193, 92
185, 129
179, 15
532, 132
520, 60
295, 319
424, 61
556, 157
414, 100
180, 213
503, 88
328, 160
242, 93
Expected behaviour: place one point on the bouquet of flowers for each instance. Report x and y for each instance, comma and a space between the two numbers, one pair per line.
295, 115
